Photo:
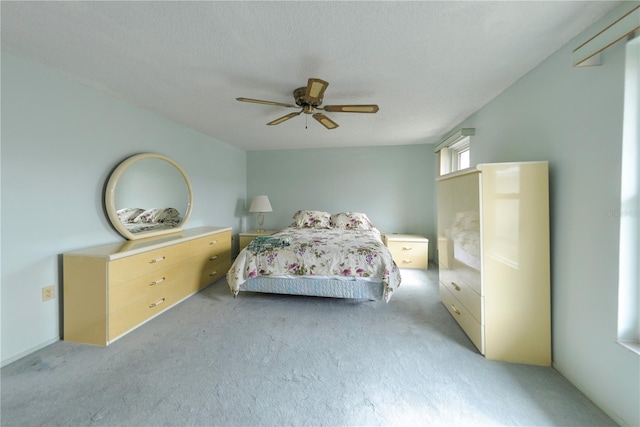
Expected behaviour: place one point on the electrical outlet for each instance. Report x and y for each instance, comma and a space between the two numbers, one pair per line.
48, 292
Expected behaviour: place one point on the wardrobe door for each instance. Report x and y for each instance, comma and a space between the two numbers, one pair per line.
515, 212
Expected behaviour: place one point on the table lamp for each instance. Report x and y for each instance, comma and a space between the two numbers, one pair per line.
260, 204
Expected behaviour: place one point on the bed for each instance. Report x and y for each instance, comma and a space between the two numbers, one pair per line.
465, 233
339, 256
137, 220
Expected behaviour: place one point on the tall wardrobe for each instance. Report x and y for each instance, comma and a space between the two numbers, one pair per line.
493, 256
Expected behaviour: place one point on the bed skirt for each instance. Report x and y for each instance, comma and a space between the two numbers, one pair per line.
355, 288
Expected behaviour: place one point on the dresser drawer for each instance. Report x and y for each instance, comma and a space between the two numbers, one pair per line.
213, 258
465, 295
219, 257
125, 293
409, 254
125, 269
141, 310
211, 270
470, 325
468, 275
215, 244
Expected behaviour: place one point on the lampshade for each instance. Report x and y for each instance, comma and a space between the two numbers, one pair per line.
260, 204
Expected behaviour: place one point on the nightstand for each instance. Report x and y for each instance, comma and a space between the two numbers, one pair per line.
408, 250
248, 236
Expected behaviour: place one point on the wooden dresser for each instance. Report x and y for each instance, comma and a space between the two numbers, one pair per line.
408, 250
493, 258
112, 289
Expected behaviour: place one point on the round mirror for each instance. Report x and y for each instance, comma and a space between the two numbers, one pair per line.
148, 195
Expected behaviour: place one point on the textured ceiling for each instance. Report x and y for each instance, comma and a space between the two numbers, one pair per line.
428, 65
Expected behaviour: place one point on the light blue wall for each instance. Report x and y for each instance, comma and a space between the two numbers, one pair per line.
573, 118
394, 185
60, 140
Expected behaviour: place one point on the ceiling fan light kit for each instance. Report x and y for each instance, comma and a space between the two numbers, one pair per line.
309, 98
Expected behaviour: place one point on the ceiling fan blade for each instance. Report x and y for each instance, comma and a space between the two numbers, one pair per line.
325, 121
259, 101
315, 91
372, 108
284, 118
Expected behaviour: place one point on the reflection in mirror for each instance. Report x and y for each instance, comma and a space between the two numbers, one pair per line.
148, 195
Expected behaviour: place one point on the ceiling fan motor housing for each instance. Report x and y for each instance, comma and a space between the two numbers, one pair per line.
300, 97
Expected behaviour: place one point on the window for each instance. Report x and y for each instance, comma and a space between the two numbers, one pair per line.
628, 333
629, 213
461, 154
454, 152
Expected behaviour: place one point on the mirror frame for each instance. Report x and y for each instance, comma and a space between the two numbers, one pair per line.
110, 204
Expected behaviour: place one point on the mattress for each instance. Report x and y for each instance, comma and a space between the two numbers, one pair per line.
334, 287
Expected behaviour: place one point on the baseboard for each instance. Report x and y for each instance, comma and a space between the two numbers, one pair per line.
28, 352
606, 409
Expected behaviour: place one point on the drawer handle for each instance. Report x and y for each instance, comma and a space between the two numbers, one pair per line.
407, 248
455, 309
157, 303
153, 261
213, 258
155, 282
214, 242
455, 286
407, 261
213, 273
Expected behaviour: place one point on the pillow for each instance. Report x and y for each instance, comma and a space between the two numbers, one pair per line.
468, 220
127, 215
158, 215
311, 219
351, 221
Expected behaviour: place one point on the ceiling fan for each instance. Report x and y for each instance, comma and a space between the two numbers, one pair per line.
309, 99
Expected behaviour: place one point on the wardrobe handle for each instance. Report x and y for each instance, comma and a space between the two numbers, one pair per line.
455, 309
157, 303
407, 248
455, 286
155, 282
407, 261
213, 242
213, 273
213, 258
153, 261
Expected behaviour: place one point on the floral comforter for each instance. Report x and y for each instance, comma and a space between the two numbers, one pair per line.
319, 252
